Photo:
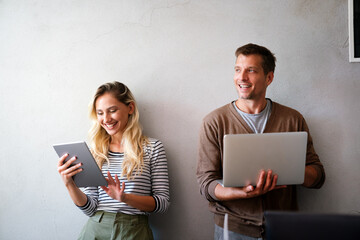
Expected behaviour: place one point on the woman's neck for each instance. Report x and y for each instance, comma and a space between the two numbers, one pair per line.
116, 144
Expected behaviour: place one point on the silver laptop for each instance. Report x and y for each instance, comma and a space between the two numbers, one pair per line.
245, 155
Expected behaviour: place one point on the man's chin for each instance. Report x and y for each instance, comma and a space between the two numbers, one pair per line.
245, 97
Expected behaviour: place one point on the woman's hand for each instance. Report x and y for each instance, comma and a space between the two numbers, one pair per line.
66, 171
114, 190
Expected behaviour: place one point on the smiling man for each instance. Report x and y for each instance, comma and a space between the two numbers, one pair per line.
252, 112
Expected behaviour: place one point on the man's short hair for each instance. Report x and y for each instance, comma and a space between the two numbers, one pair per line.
268, 63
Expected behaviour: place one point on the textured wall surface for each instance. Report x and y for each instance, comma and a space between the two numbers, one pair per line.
177, 56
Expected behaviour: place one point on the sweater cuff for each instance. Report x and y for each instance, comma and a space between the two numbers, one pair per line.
211, 190
87, 204
321, 177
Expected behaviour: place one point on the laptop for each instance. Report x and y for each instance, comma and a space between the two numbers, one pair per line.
245, 155
311, 226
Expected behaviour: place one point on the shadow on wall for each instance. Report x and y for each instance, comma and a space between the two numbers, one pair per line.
177, 126
324, 142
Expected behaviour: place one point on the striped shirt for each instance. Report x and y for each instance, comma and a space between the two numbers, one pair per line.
152, 181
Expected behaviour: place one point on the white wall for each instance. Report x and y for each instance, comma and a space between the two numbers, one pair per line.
177, 57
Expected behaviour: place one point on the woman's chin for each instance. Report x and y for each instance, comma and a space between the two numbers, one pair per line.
113, 132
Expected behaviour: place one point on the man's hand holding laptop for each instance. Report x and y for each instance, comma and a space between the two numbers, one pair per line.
266, 183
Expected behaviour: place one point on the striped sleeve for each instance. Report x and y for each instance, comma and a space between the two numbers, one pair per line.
92, 195
159, 177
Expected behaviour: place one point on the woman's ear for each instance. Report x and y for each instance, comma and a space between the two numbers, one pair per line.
131, 108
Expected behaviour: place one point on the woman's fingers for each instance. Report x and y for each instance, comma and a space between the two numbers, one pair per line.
65, 169
76, 168
67, 164
110, 179
62, 159
123, 187
117, 181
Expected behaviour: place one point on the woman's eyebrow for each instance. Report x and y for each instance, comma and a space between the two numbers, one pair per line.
99, 109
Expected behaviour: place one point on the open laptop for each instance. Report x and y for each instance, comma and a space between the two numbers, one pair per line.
245, 155
311, 226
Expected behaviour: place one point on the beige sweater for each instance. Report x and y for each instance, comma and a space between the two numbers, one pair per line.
246, 215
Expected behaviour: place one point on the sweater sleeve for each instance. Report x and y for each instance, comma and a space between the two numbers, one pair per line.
92, 195
313, 159
159, 178
209, 167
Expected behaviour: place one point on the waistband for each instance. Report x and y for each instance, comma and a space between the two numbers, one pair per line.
106, 217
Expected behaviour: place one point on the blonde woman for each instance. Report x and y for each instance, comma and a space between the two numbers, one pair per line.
135, 168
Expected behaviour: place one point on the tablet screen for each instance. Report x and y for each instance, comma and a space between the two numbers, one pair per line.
91, 176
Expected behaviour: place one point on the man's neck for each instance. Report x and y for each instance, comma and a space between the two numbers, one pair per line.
251, 106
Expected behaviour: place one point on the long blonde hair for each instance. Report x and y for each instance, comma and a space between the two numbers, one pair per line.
132, 139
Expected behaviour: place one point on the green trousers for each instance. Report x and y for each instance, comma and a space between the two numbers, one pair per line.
111, 226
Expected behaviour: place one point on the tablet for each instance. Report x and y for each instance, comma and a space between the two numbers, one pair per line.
91, 176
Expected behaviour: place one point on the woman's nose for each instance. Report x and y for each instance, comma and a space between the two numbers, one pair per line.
107, 117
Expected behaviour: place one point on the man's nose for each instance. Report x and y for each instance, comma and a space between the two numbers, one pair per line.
242, 75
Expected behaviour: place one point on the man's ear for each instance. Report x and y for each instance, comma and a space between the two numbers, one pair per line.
269, 78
